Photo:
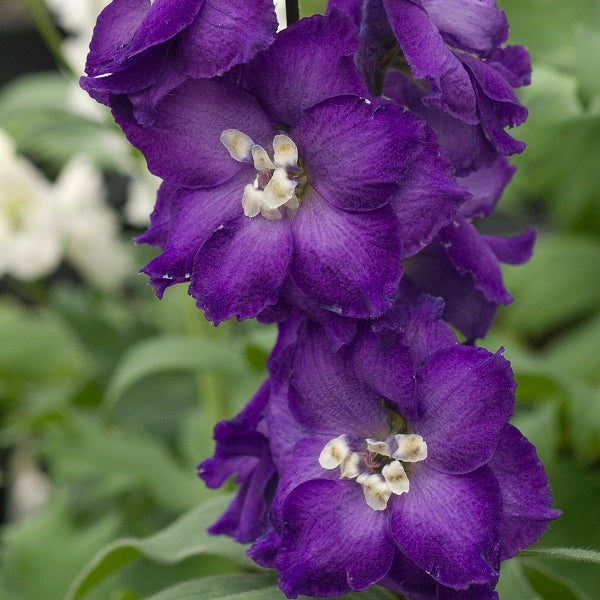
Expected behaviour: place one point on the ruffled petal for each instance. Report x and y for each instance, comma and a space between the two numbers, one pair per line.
512, 251
525, 491
220, 38
183, 144
466, 396
486, 186
167, 201
357, 150
449, 525
470, 24
332, 542
348, 262
465, 307
470, 254
310, 61
429, 58
326, 396
239, 269
194, 217
427, 199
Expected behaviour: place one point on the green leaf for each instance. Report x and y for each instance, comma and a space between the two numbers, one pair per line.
185, 538
547, 585
171, 353
115, 460
217, 586
571, 554
38, 347
513, 584
557, 286
247, 587
42, 554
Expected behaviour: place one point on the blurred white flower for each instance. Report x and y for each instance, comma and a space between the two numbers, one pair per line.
280, 10
43, 223
30, 239
90, 229
141, 197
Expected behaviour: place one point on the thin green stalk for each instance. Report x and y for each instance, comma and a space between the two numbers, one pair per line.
50, 34
292, 11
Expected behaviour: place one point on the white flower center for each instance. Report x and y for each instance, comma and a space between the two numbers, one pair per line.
379, 468
273, 188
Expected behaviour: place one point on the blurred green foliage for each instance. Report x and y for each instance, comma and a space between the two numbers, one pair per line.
115, 396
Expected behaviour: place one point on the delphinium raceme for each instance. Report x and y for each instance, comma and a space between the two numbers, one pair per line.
326, 178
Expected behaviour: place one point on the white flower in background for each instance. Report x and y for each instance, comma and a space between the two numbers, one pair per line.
42, 223
141, 197
280, 10
30, 238
90, 229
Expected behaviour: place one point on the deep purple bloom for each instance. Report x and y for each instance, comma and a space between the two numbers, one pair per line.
462, 78
463, 266
290, 178
146, 48
396, 463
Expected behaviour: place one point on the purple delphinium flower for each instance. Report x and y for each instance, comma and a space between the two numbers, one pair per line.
463, 266
287, 177
146, 48
396, 463
461, 79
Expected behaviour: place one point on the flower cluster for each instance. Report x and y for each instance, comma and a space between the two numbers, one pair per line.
326, 178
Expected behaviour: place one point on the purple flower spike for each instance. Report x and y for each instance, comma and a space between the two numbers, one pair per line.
283, 188
395, 462
146, 48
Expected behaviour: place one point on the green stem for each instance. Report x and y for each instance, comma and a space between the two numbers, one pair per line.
50, 34
574, 554
292, 11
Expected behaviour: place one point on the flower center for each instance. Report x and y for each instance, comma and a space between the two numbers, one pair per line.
274, 187
378, 467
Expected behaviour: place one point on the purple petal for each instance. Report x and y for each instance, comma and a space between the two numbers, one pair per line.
449, 525
127, 27
404, 577
465, 307
309, 61
350, 7
238, 271
466, 145
325, 395
356, 150
427, 200
421, 325
525, 491
386, 365
167, 201
465, 395
197, 214
469, 24
264, 551
513, 251
348, 262
429, 58
332, 541
225, 34
183, 145
486, 186
470, 254
513, 63
303, 467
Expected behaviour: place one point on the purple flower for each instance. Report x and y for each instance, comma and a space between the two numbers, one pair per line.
463, 266
290, 178
396, 463
462, 79
146, 48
